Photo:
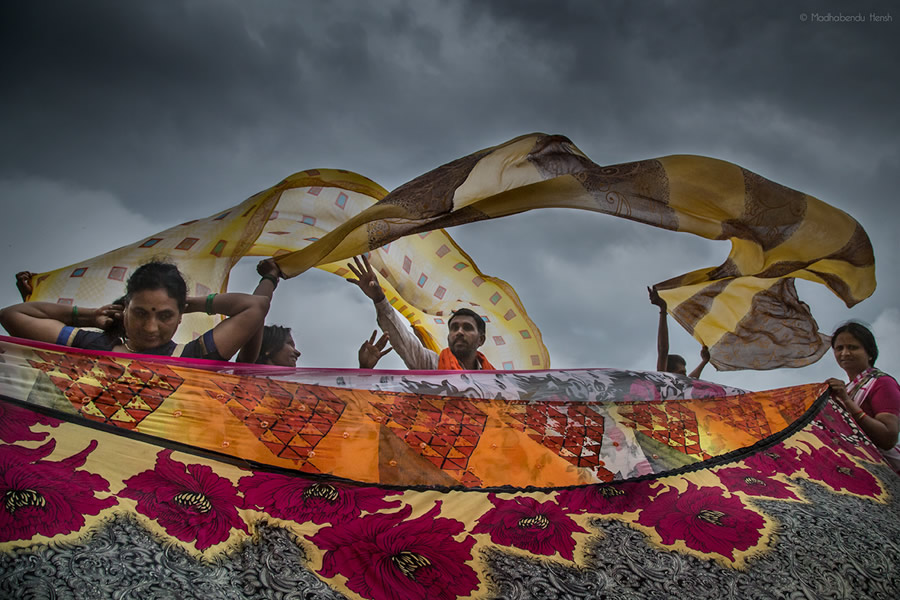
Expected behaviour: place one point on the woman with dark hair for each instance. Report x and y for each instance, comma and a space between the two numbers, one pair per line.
155, 301
278, 347
872, 397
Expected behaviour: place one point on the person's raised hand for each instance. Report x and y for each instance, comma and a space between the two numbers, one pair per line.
23, 284
704, 354
655, 299
107, 315
268, 266
366, 278
839, 391
371, 350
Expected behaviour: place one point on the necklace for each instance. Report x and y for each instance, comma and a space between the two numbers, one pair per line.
127, 347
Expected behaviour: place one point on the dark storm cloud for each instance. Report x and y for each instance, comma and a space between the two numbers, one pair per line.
718, 50
178, 109
112, 95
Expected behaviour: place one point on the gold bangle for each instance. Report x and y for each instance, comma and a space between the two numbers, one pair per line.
856, 415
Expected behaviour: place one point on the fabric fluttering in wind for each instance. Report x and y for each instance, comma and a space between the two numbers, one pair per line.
745, 310
425, 276
178, 478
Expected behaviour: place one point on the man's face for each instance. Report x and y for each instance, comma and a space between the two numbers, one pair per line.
463, 338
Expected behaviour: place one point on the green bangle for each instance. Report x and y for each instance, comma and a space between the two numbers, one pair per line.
209, 301
271, 278
74, 316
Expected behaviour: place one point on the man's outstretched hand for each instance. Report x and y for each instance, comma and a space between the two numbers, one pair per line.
366, 278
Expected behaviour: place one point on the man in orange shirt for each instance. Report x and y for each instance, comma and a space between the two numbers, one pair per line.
466, 330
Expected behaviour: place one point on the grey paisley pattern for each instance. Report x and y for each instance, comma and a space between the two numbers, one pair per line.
122, 560
833, 547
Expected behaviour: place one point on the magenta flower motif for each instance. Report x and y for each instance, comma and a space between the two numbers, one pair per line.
523, 522
642, 391
832, 419
833, 429
48, 498
777, 459
16, 423
703, 389
383, 556
705, 519
301, 500
608, 499
834, 439
191, 502
839, 472
754, 483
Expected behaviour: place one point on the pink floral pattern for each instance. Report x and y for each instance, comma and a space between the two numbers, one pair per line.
642, 391
839, 472
833, 429
704, 519
832, 419
523, 522
834, 439
777, 459
16, 424
754, 483
704, 389
191, 502
301, 500
384, 556
42, 497
609, 499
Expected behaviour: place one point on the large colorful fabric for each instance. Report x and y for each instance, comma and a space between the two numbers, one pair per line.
745, 310
159, 477
425, 277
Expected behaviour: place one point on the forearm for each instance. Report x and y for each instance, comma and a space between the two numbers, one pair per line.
266, 288
19, 318
699, 369
249, 352
229, 304
246, 315
662, 342
43, 321
405, 343
878, 431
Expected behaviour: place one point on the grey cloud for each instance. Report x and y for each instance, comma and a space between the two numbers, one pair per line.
177, 109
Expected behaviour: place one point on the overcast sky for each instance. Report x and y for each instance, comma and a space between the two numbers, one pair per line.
121, 119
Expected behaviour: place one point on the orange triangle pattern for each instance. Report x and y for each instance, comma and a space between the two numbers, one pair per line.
671, 423
789, 403
742, 412
289, 419
121, 392
572, 431
443, 432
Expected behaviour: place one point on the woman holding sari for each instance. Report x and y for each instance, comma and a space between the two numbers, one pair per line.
871, 396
